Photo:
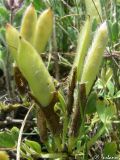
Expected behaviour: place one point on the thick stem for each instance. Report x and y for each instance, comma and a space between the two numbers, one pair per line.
41, 124
51, 117
71, 88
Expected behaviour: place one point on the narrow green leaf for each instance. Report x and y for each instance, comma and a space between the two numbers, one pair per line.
115, 31
109, 24
15, 133
111, 88
82, 47
101, 110
91, 103
3, 12
62, 101
34, 145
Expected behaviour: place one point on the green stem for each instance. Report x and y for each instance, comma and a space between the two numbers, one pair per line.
71, 143
57, 141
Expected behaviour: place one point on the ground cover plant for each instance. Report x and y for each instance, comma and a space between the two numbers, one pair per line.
60, 79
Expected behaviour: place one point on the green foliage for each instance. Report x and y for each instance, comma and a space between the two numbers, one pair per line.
4, 15
34, 145
105, 111
110, 149
8, 139
93, 96
30, 149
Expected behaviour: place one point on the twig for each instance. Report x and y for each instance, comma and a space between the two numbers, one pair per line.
3, 96
11, 122
8, 149
97, 10
9, 107
66, 4
115, 54
21, 131
69, 15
